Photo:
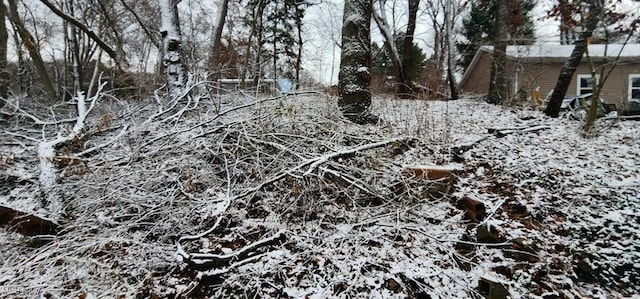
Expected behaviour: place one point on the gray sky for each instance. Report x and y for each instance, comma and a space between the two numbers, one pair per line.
322, 56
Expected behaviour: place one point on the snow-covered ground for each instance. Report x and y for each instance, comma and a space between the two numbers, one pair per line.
281, 197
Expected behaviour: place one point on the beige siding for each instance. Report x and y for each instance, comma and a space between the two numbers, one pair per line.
478, 78
544, 75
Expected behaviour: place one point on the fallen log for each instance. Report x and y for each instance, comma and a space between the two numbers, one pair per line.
26, 223
501, 132
473, 208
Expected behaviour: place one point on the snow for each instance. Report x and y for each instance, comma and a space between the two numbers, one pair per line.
628, 51
206, 185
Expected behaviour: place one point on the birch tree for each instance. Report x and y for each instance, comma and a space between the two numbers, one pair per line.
173, 56
453, 85
355, 64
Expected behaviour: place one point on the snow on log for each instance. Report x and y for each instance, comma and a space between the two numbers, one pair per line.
209, 261
501, 132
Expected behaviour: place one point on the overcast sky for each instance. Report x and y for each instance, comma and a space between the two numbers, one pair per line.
322, 56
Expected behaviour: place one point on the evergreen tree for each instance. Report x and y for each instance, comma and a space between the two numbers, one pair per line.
278, 29
382, 64
479, 26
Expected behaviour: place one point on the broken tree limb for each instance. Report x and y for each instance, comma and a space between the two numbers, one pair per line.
47, 153
207, 260
315, 162
474, 209
501, 132
459, 150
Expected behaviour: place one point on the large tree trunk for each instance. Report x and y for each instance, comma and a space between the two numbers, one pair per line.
355, 64
498, 82
30, 43
217, 36
4, 72
570, 66
173, 59
405, 90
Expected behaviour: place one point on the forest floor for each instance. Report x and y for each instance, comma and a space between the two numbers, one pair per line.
252, 197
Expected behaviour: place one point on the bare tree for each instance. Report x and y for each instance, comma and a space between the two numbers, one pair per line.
380, 16
173, 57
217, 34
32, 47
570, 66
355, 64
4, 39
498, 83
85, 29
453, 85
405, 90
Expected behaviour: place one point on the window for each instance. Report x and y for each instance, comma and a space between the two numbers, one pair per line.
585, 84
634, 87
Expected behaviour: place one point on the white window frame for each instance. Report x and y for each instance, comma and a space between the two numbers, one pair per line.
581, 76
631, 87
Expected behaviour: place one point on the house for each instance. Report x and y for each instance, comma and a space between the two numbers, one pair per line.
538, 66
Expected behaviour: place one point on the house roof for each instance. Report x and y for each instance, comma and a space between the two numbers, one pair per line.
564, 51
546, 53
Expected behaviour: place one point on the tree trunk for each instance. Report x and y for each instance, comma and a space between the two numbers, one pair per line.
299, 16
453, 85
498, 82
4, 72
30, 43
404, 90
71, 33
355, 64
173, 59
390, 43
217, 36
570, 66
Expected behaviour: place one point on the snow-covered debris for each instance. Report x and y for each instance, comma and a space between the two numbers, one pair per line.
282, 197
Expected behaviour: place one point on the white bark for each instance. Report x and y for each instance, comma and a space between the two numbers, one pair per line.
47, 154
172, 59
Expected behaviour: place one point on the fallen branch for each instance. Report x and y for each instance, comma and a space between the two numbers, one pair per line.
315, 162
460, 149
207, 260
501, 132
97, 147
